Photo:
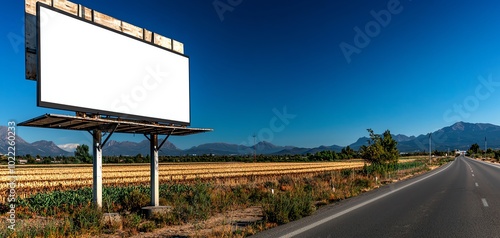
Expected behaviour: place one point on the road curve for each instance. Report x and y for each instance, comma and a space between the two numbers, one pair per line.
460, 199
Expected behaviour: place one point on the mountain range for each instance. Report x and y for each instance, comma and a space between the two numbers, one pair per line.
42, 148
460, 135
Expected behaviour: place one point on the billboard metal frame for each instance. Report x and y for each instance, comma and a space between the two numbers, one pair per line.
93, 110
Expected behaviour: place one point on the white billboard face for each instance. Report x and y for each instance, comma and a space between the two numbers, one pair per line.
85, 67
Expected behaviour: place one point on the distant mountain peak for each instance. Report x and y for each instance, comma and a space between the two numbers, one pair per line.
43, 142
262, 145
462, 126
459, 126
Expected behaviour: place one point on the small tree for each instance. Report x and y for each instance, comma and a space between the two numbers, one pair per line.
381, 152
82, 154
474, 148
391, 152
347, 153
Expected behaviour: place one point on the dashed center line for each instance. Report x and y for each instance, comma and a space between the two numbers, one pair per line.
472, 175
477, 185
485, 203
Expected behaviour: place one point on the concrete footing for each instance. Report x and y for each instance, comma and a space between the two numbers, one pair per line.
151, 210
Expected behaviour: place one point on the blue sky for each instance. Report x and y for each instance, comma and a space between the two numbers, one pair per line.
277, 69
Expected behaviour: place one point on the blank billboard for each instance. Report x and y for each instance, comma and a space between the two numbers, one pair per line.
86, 67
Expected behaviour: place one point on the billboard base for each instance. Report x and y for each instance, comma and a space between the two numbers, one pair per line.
96, 124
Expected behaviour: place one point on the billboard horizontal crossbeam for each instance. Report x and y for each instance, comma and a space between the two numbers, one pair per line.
107, 124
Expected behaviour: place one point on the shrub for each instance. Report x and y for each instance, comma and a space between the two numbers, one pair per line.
132, 222
195, 203
285, 181
135, 200
286, 207
270, 184
162, 219
148, 226
87, 218
163, 201
4, 208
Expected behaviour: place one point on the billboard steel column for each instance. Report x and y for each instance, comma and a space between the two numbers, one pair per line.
97, 168
155, 188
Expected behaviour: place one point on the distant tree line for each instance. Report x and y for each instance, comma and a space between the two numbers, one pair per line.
476, 151
380, 151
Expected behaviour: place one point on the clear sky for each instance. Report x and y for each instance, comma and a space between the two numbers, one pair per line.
301, 73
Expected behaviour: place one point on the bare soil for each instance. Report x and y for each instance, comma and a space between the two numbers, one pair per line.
218, 224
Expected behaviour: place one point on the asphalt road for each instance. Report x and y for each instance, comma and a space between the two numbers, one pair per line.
460, 199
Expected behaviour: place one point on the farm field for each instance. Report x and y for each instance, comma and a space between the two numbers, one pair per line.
32, 179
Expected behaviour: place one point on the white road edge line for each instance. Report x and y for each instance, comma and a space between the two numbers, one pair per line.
324, 220
486, 163
485, 203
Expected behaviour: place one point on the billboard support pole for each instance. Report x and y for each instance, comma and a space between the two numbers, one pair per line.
155, 171
97, 168
155, 188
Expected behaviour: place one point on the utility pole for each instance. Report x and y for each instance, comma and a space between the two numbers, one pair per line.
254, 149
430, 148
484, 147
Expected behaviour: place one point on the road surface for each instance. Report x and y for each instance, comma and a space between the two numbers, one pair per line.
460, 199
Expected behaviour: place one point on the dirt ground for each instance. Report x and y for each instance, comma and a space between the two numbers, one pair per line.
491, 160
218, 224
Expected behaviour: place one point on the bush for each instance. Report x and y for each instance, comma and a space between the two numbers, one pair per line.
285, 181
148, 226
362, 183
199, 199
132, 222
163, 201
135, 200
162, 219
286, 207
4, 208
270, 185
195, 203
87, 218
